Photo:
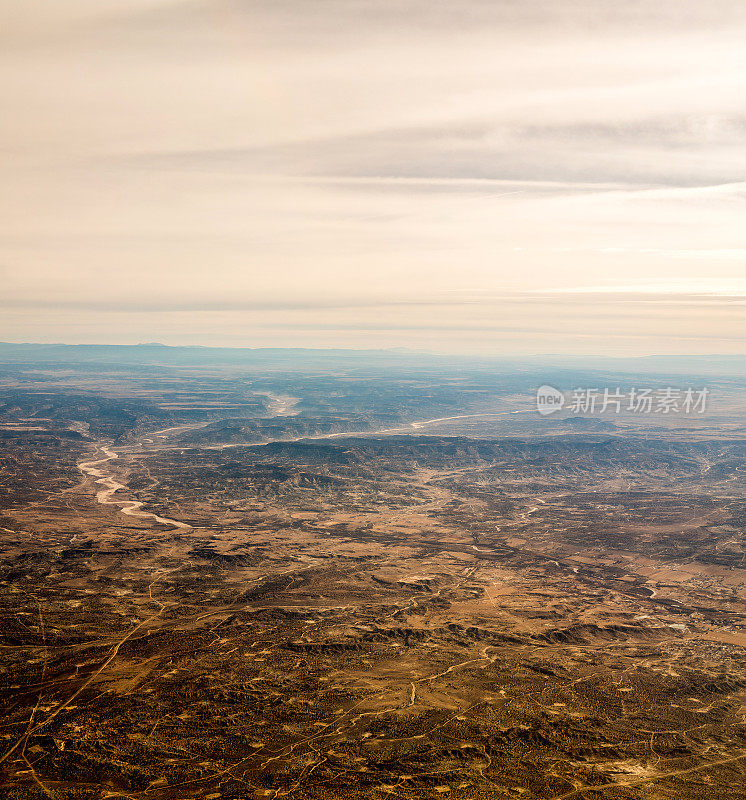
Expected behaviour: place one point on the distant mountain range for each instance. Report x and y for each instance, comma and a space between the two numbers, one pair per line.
153, 354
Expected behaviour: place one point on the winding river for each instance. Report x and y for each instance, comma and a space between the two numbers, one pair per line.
132, 508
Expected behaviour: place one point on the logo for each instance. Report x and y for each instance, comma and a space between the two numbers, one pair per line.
549, 400
668, 400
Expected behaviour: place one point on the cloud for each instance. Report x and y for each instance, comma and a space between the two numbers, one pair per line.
664, 151
237, 157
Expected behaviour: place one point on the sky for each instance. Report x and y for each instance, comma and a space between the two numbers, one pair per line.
500, 177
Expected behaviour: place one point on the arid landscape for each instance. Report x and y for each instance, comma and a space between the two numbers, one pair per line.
246, 583
373, 400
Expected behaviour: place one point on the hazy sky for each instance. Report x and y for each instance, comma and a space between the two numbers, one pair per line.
502, 176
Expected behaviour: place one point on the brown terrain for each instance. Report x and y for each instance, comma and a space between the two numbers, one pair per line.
222, 586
